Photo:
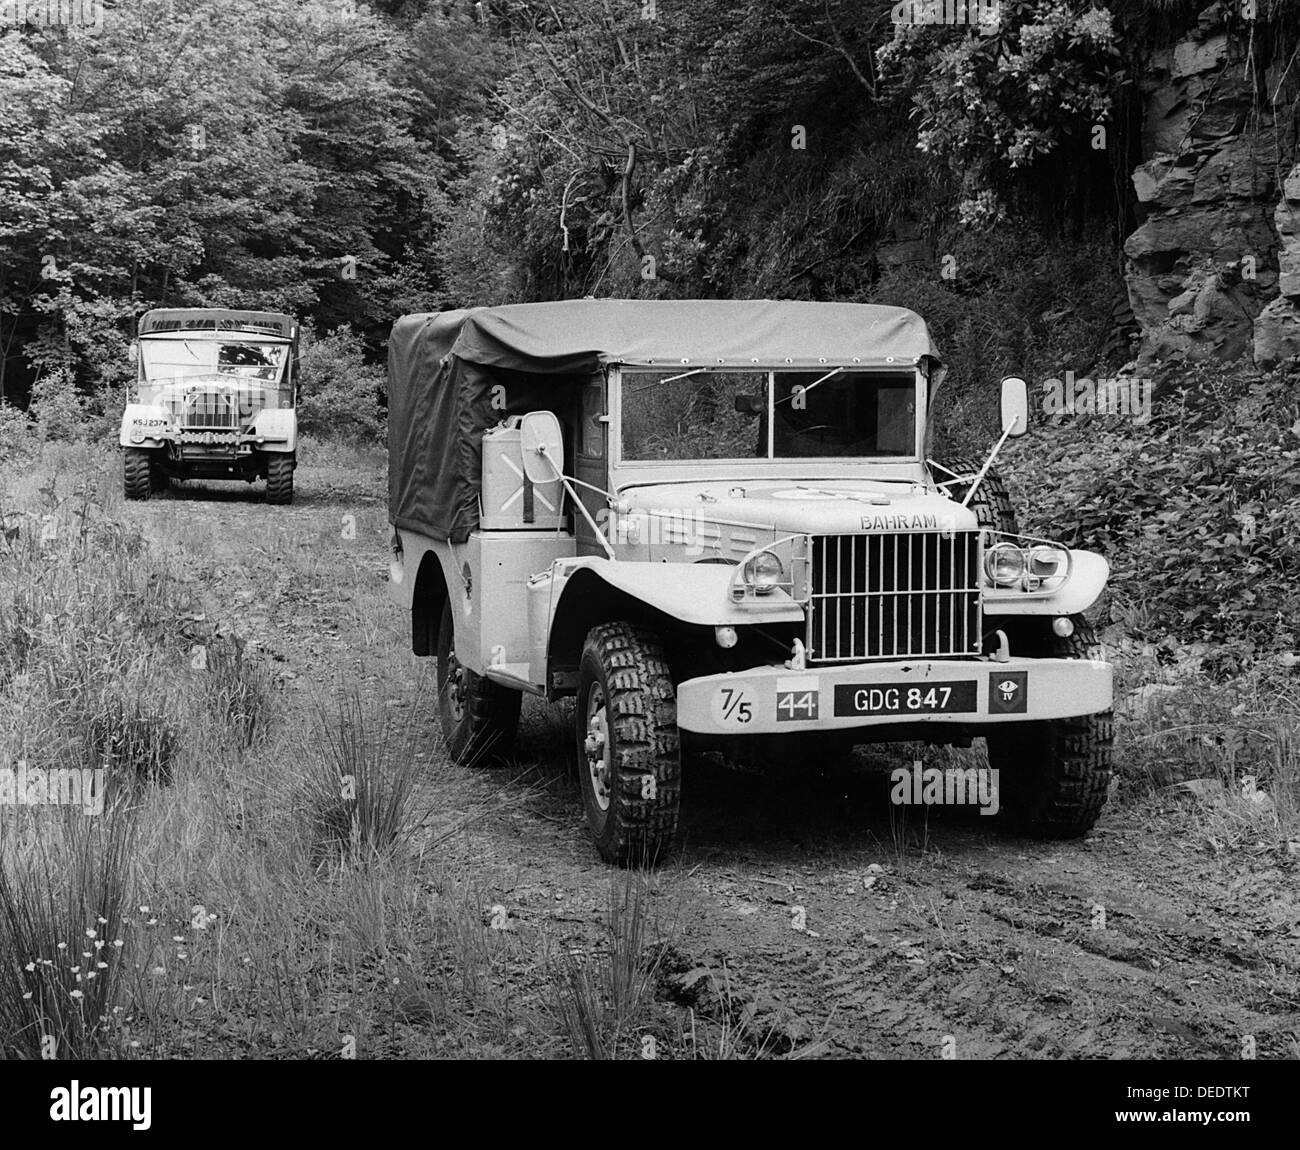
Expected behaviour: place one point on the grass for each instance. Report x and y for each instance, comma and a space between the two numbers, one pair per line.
275, 856
265, 909
1178, 723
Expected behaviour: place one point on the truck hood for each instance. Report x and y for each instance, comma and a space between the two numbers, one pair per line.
812, 506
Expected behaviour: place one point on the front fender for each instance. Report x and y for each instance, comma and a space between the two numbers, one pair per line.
278, 427
694, 593
1087, 580
152, 423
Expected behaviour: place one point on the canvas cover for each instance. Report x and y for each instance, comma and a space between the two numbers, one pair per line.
452, 375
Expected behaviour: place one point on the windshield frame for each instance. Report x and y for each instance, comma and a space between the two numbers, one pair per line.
639, 471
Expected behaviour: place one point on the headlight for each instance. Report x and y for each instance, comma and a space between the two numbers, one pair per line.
1046, 562
1004, 564
137, 435
762, 572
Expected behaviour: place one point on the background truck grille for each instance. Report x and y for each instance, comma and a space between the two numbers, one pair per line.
885, 596
216, 410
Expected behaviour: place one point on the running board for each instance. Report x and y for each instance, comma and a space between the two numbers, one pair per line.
514, 675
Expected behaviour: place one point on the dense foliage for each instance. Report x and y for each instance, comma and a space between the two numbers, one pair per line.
349, 163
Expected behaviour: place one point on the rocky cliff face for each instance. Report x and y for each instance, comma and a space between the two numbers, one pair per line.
1214, 268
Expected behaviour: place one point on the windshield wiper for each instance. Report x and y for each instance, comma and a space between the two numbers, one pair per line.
805, 390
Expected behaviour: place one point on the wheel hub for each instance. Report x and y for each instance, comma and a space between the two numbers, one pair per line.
596, 748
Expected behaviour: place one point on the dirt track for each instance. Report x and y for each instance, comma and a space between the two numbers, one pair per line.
916, 934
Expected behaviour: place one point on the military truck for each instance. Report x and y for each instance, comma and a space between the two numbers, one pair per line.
716, 525
214, 397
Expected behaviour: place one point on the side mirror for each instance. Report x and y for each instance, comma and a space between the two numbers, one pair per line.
542, 443
748, 404
133, 351
1015, 406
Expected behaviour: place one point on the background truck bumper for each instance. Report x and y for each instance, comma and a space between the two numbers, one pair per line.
774, 700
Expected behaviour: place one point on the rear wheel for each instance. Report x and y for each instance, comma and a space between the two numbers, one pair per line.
1053, 775
628, 744
479, 717
136, 479
279, 479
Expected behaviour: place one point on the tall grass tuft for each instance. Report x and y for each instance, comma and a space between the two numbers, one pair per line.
601, 998
63, 887
134, 745
241, 691
360, 785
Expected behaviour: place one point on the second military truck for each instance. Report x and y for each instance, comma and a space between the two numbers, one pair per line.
214, 397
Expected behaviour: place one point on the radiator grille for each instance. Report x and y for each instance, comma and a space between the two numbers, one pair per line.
228, 409
888, 596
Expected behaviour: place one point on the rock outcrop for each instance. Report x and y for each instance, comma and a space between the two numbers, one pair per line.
1214, 268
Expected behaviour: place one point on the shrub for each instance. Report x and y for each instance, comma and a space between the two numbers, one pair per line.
1197, 510
56, 406
340, 392
15, 432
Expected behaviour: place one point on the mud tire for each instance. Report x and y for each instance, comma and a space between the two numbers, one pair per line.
279, 479
136, 473
627, 703
1054, 775
479, 717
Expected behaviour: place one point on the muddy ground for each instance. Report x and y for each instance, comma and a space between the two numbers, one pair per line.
920, 937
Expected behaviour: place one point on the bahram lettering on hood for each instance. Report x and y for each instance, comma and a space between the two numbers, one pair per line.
903, 523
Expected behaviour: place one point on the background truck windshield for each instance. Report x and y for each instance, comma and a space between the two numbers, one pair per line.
668, 415
166, 359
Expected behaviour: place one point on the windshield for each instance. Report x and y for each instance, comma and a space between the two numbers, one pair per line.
244, 359
707, 415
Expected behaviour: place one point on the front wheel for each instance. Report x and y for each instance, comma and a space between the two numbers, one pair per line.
279, 479
479, 717
1054, 775
628, 744
136, 473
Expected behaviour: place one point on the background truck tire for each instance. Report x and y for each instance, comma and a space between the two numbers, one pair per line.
479, 717
1053, 775
279, 479
629, 760
991, 504
136, 473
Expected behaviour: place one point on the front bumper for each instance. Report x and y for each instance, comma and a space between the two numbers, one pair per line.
961, 692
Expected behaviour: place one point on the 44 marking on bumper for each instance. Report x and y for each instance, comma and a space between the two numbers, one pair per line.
771, 700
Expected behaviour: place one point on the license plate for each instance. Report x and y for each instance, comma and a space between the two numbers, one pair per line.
905, 699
